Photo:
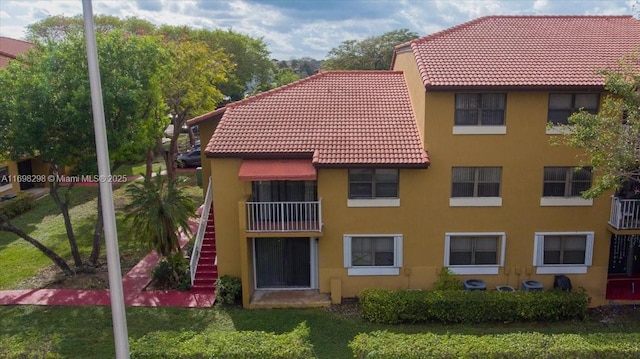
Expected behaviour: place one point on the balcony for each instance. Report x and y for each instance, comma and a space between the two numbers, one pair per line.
284, 216
625, 213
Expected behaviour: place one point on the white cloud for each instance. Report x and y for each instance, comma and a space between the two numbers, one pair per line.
540, 5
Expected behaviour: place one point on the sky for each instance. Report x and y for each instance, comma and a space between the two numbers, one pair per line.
306, 28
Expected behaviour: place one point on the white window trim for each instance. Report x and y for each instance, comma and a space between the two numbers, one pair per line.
538, 255
373, 270
565, 201
475, 269
475, 202
6, 187
480, 130
557, 130
374, 202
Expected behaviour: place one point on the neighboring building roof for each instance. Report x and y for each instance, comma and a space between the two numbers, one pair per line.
11, 48
338, 118
524, 51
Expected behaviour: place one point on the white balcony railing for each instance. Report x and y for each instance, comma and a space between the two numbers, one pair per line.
284, 216
625, 213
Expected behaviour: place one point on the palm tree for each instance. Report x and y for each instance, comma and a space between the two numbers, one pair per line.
157, 209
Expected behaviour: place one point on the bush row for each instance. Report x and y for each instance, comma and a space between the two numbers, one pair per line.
512, 346
458, 306
221, 344
17, 206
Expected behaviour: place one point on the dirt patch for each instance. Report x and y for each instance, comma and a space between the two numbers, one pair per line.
51, 277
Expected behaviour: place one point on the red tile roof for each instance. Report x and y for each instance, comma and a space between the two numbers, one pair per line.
525, 51
338, 118
11, 48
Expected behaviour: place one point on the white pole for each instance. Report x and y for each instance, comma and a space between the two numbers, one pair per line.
116, 294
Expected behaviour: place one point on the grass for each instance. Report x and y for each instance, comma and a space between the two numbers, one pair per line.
63, 330
45, 223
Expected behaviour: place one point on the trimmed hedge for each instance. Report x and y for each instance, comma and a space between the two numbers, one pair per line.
17, 206
221, 344
458, 306
382, 344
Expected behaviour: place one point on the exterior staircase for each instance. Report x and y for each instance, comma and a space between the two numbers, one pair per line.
206, 272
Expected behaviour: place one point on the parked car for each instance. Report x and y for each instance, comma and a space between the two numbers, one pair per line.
189, 159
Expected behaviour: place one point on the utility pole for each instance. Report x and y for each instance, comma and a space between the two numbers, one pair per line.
116, 294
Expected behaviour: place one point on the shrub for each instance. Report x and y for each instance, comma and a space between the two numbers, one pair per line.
221, 344
447, 280
382, 344
17, 206
228, 290
172, 272
458, 306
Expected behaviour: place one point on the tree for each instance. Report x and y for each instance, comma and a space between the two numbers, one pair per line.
46, 110
191, 89
373, 53
157, 209
610, 139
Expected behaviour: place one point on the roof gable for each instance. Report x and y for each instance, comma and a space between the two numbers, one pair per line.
337, 118
525, 51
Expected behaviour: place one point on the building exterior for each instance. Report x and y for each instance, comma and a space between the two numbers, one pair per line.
349, 180
26, 167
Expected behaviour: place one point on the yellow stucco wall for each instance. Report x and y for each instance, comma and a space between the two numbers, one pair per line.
206, 131
406, 62
424, 214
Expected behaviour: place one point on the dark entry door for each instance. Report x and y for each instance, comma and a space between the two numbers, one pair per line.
283, 262
24, 168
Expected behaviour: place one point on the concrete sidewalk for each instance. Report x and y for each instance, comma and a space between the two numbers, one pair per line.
133, 284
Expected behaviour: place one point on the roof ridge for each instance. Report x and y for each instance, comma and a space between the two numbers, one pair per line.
11, 38
301, 81
483, 18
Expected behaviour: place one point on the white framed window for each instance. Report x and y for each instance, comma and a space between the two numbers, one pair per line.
373, 254
474, 253
563, 186
563, 252
5, 184
475, 186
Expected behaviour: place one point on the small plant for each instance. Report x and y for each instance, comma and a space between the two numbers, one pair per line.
228, 290
447, 280
172, 272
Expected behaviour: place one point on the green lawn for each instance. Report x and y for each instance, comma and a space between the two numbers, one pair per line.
45, 223
74, 332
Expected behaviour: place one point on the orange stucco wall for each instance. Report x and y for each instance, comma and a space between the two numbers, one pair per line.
425, 215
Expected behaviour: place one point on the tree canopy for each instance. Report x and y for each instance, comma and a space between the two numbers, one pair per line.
373, 53
46, 109
610, 139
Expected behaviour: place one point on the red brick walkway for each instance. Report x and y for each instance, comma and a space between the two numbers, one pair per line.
133, 284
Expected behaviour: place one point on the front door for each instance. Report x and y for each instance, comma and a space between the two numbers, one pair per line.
282, 262
24, 168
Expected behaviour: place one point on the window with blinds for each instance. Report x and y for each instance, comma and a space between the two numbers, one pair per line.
475, 181
476, 109
566, 181
562, 105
